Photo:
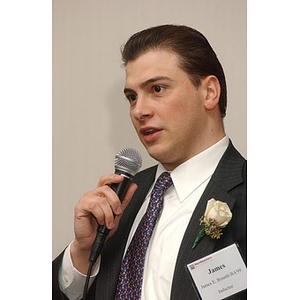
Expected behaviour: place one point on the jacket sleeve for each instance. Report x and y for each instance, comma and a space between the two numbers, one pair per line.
57, 294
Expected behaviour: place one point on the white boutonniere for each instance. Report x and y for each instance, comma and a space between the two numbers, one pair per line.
217, 215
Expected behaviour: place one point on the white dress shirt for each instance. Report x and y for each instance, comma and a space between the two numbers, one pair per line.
189, 182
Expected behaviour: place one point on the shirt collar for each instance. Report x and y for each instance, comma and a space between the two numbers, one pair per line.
191, 174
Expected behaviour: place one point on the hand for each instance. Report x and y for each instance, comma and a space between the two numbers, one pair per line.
97, 207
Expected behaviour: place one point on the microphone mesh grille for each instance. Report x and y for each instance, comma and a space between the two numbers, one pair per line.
128, 160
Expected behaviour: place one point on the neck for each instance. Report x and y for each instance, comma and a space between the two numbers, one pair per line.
214, 137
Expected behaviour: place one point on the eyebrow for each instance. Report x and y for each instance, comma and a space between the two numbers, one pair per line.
147, 82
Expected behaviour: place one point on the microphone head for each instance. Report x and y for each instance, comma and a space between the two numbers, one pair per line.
128, 160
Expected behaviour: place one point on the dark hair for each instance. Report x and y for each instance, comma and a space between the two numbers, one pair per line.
197, 58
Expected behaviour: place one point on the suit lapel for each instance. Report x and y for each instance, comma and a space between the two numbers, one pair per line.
228, 174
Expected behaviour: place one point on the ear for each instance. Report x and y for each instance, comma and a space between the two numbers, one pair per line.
213, 90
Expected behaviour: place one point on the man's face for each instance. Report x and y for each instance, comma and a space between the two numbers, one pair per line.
166, 109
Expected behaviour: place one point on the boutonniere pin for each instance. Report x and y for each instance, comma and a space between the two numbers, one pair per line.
217, 215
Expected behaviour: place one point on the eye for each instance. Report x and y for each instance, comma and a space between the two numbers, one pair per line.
158, 89
131, 97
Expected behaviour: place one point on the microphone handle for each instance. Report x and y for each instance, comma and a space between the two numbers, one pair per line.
120, 189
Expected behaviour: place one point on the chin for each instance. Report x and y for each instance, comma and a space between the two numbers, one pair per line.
165, 158
157, 153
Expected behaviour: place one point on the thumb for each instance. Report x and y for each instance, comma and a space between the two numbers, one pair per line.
130, 192
126, 200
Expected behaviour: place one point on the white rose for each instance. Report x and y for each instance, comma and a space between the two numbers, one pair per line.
218, 211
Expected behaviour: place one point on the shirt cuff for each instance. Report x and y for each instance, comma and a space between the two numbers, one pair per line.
71, 281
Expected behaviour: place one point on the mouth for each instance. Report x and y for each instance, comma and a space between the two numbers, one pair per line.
150, 133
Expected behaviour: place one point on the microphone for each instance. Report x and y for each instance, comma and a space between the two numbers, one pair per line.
128, 161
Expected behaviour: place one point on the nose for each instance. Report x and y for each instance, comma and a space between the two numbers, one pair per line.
142, 109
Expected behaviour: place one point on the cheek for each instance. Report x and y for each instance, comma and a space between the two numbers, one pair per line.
188, 116
177, 111
189, 105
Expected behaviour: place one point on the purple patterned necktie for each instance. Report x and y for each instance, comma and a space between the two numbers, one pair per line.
132, 268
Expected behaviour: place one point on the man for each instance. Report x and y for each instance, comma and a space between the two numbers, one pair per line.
176, 90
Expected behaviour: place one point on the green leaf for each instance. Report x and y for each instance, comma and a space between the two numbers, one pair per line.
198, 238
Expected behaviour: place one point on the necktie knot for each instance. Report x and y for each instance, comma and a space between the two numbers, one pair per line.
163, 182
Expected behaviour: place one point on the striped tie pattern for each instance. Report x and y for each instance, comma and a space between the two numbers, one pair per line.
132, 269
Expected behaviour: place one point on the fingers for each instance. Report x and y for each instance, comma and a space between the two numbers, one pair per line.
110, 179
126, 200
103, 203
108, 199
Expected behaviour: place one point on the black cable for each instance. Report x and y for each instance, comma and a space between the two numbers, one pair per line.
98, 244
87, 280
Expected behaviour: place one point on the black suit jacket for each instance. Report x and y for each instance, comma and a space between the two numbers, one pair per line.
227, 184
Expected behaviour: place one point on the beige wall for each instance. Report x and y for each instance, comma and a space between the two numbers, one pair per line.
90, 115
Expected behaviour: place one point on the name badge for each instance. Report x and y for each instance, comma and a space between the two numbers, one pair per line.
220, 274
